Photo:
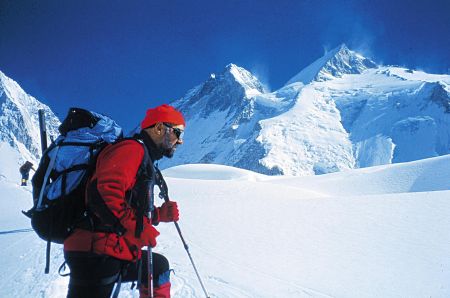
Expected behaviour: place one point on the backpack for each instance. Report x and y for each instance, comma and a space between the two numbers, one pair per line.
25, 168
63, 172
60, 179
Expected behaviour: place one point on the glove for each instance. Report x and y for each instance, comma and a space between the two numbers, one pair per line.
168, 212
149, 235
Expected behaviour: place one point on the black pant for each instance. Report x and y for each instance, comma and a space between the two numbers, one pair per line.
93, 275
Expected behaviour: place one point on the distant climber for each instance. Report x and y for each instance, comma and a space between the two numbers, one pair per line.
25, 172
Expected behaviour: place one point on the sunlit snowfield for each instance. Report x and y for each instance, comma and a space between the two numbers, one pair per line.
373, 232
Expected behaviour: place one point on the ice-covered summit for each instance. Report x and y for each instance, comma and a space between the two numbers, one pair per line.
248, 81
233, 87
225, 109
341, 112
19, 123
334, 64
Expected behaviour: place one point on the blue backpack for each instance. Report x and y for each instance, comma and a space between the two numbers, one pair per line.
64, 169
60, 181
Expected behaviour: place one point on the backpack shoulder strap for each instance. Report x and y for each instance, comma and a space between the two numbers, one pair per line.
145, 181
142, 199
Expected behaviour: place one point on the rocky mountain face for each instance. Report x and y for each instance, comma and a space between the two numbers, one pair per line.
341, 112
19, 120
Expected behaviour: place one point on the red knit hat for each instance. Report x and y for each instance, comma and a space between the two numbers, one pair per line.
163, 113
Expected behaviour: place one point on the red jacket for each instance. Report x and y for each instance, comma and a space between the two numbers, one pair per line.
116, 170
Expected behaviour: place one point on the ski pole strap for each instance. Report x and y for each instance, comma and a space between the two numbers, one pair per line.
62, 268
163, 189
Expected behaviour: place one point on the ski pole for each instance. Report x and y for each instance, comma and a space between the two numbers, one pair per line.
43, 130
186, 247
164, 194
150, 271
149, 247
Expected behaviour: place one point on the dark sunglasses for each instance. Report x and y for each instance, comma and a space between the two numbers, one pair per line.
179, 133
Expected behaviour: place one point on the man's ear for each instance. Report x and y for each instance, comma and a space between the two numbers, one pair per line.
159, 127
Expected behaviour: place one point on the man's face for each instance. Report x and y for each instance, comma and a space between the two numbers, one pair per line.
172, 137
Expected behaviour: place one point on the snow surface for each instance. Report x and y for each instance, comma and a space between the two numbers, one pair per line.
373, 232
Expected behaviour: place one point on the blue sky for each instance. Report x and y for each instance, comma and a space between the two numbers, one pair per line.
121, 57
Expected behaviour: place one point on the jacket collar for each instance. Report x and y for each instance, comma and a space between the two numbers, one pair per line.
153, 150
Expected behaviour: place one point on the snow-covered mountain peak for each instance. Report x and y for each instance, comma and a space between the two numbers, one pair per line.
19, 123
370, 116
231, 88
333, 64
245, 78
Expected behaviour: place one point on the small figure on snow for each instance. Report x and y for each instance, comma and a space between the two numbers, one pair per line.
25, 172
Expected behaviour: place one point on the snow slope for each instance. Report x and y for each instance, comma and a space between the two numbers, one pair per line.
332, 65
341, 112
374, 232
19, 122
381, 116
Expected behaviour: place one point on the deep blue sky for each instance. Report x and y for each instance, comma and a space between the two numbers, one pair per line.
121, 57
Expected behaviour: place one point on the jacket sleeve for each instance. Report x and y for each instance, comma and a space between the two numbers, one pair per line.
116, 171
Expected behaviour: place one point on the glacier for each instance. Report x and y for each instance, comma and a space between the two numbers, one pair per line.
341, 112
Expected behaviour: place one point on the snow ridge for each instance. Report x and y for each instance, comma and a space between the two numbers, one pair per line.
341, 112
19, 121
334, 64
